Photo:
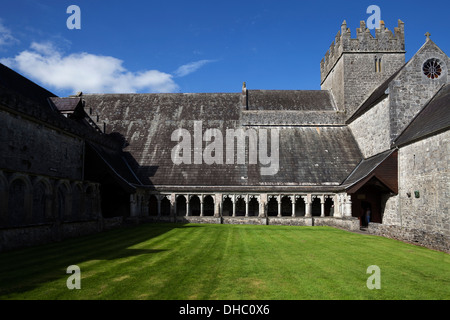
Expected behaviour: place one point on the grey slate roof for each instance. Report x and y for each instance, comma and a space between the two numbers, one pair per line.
310, 155
433, 118
14, 82
65, 104
300, 100
365, 167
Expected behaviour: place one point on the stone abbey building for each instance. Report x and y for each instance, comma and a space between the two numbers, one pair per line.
374, 138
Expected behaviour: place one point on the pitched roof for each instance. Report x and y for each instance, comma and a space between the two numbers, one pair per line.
432, 119
308, 155
117, 166
383, 166
66, 104
300, 100
13, 81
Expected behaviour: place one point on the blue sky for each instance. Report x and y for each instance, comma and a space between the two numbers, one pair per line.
193, 46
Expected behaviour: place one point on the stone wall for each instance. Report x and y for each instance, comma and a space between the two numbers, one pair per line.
27, 146
32, 235
431, 240
411, 89
334, 83
360, 77
372, 131
351, 224
424, 184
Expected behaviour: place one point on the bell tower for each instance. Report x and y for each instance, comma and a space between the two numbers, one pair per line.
353, 67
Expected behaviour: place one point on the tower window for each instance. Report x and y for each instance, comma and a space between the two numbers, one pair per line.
432, 68
377, 64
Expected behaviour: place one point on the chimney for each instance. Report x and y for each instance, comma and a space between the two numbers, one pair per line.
244, 97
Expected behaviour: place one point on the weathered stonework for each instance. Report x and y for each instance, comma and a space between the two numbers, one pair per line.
353, 68
424, 184
372, 129
411, 89
27, 146
432, 240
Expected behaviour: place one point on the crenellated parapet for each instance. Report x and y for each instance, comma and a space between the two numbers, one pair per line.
385, 41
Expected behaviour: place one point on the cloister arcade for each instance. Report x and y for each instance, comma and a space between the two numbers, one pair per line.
241, 205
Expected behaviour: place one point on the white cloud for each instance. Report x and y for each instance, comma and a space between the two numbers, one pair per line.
43, 62
86, 72
6, 37
186, 69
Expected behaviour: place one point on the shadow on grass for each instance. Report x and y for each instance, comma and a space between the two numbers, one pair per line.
26, 269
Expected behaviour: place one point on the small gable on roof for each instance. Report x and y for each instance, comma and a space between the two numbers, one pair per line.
383, 167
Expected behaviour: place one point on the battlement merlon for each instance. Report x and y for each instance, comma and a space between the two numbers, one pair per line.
384, 42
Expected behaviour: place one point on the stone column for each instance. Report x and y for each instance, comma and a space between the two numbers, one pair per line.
308, 205
233, 199
217, 204
348, 206
187, 205
293, 204
262, 205
279, 205
201, 205
159, 198
173, 204
246, 205
322, 206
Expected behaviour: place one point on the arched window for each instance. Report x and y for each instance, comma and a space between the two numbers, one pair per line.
16, 202
227, 209
208, 206
181, 205
194, 205
39, 202
165, 206
152, 206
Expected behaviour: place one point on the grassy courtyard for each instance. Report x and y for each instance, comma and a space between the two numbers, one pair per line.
199, 261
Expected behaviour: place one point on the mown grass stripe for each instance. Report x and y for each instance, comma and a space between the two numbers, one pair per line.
170, 261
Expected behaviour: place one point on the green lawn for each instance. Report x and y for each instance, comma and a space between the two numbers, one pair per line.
199, 261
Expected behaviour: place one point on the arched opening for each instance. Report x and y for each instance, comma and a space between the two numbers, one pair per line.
300, 207
165, 207
194, 205
61, 202
227, 209
253, 207
39, 202
89, 202
370, 197
329, 207
153, 206
16, 203
208, 206
76, 203
286, 206
272, 207
316, 207
181, 205
240, 207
